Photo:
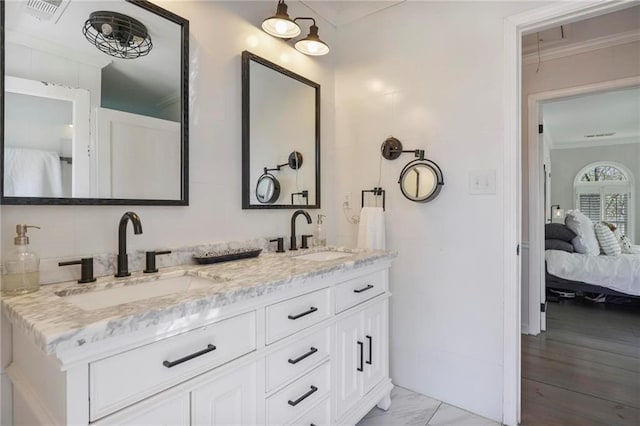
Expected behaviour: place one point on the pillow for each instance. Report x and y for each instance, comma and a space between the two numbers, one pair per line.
624, 241
608, 241
558, 231
585, 241
558, 245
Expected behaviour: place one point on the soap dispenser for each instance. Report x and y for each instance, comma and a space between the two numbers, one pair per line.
22, 266
320, 237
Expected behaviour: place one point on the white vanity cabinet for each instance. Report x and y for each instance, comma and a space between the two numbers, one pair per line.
315, 353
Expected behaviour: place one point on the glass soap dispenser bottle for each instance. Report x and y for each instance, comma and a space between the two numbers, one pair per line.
22, 266
320, 237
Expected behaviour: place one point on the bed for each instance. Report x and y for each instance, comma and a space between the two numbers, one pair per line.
610, 275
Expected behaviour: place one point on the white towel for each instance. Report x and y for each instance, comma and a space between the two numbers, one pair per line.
32, 173
371, 229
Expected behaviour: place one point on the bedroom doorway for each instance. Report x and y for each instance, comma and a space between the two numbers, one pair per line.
561, 124
584, 368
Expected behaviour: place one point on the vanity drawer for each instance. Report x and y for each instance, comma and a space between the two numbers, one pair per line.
297, 357
291, 402
126, 378
319, 415
357, 290
293, 315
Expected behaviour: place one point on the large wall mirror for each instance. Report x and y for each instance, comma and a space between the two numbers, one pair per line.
95, 107
280, 137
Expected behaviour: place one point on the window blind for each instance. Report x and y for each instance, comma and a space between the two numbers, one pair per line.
616, 210
590, 206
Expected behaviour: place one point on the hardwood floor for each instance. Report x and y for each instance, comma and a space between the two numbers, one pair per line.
585, 369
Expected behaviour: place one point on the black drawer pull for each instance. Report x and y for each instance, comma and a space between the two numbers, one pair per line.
360, 290
361, 346
301, 357
303, 397
310, 311
169, 364
370, 348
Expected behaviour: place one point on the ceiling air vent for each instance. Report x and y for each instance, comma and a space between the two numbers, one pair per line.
600, 135
46, 10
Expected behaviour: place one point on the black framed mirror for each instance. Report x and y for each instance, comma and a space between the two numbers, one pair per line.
98, 114
280, 136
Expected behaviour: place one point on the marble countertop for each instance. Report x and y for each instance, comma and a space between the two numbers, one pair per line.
56, 325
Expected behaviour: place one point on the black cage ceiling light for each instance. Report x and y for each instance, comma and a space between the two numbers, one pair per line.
117, 35
282, 26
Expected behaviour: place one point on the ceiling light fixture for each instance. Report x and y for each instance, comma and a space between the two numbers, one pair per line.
311, 44
282, 26
117, 35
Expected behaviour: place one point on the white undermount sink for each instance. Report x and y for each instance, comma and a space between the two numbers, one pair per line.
104, 298
321, 256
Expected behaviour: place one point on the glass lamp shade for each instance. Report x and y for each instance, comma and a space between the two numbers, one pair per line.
280, 25
311, 44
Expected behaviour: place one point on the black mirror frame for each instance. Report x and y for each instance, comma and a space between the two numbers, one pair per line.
184, 94
246, 137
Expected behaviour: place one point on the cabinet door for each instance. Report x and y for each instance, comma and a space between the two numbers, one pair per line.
349, 362
375, 345
229, 400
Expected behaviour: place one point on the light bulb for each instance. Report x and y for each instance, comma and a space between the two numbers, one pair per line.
281, 27
107, 29
312, 47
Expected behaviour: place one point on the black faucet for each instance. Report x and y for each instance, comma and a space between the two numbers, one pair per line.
123, 260
294, 243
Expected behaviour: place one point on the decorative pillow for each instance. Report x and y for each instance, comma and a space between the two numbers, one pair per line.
585, 241
624, 241
558, 231
558, 245
608, 241
610, 225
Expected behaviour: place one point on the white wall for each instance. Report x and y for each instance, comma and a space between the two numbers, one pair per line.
431, 74
220, 31
596, 66
566, 163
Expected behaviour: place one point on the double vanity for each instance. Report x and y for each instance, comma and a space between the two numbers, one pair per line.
294, 338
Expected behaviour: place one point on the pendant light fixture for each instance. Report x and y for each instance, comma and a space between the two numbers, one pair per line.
117, 35
311, 44
280, 25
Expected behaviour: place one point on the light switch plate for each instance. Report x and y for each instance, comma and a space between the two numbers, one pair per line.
482, 182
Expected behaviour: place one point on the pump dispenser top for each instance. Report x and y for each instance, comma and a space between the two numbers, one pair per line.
22, 238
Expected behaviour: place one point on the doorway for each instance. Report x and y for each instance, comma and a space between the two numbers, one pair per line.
582, 365
514, 28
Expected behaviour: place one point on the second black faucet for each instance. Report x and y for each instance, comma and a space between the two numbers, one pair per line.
123, 259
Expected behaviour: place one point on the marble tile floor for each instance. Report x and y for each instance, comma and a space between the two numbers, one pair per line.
411, 408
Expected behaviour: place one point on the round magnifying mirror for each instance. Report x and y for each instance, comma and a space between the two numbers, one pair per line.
267, 189
420, 182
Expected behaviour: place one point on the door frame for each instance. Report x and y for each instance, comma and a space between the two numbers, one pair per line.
514, 27
536, 197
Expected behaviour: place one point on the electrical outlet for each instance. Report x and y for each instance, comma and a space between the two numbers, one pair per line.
347, 200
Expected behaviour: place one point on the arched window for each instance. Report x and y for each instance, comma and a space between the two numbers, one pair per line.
603, 192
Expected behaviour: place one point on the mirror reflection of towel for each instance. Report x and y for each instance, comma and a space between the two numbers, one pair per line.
371, 232
32, 173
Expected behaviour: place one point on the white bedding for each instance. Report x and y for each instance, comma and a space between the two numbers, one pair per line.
620, 273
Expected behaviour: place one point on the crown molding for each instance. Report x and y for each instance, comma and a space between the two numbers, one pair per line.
582, 47
593, 143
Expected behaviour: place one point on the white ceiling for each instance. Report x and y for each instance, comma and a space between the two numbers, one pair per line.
568, 122
346, 11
